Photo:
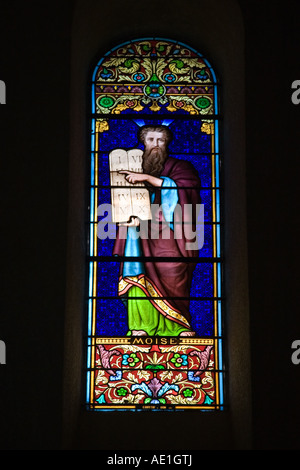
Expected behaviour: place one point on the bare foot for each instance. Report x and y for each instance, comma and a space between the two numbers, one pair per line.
139, 333
187, 333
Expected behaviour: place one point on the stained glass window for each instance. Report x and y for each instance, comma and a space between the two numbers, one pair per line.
155, 308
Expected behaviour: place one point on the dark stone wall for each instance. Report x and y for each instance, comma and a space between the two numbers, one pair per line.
35, 58
272, 155
35, 65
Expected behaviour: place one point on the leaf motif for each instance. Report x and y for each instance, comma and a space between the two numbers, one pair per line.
163, 100
142, 386
193, 62
148, 67
114, 61
197, 384
208, 378
175, 69
101, 377
160, 359
132, 378
166, 375
134, 398
102, 110
180, 400
179, 348
168, 47
147, 46
146, 100
177, 399
142, 374
138, 49
134, 67
178, 378
166, 388
125, 78
160, 66
117, 400
185, 78
113, 384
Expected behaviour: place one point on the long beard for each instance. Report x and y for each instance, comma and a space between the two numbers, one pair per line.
153, 161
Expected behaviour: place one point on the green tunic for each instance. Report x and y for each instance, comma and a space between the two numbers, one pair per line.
142, 315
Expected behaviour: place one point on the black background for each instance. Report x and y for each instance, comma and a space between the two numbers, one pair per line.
35, 39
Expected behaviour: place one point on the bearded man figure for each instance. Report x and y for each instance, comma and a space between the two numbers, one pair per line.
156, 292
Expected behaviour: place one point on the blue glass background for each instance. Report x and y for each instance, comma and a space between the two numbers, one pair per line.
188, 137
105, 247
108, 274
202, 162
112, 317
112, 312
191, 144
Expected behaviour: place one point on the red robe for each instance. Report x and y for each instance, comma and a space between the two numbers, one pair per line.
169, 278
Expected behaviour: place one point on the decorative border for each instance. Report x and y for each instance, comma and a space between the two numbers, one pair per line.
155, 91
130, 375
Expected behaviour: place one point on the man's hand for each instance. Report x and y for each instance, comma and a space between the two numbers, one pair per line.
133, 178
134, 222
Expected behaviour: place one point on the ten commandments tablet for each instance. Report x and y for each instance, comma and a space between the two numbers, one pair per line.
128, 199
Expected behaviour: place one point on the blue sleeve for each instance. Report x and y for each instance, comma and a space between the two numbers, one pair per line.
132, 248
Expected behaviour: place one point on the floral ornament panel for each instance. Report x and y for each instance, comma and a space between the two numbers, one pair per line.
154, 76
181, 375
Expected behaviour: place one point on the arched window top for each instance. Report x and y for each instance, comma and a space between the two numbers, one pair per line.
154, 75
155, 305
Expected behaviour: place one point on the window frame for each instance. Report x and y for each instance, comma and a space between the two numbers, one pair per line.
218, 223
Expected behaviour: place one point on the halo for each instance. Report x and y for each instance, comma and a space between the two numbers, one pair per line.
165, 122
